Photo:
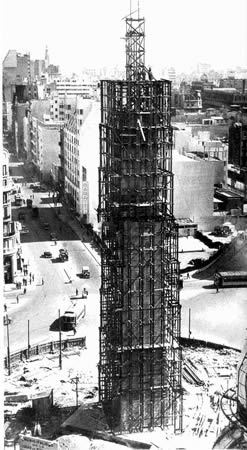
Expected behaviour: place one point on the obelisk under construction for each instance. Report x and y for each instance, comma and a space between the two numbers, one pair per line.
140, 355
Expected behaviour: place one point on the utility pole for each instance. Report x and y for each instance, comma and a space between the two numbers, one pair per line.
189, 323
75, 381
60, 341
28, 338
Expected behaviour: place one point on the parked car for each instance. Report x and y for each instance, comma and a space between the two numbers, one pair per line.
47, 255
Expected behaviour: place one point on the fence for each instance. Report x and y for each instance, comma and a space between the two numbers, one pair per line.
49, 347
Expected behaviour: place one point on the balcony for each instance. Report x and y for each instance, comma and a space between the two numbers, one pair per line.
9, 229
6, 184
10, 251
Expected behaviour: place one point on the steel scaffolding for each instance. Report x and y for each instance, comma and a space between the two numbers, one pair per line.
140, 356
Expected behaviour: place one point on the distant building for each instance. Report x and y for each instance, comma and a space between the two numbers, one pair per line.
237, 168
218, 97
73, 87
19, 111
238, 144
53, 72
39, 67
16, 72
61, 106
193, 187
41, 137
45, 147
171, 75
236, 83
11, 234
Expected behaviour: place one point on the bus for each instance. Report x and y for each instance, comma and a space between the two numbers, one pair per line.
225, 279
74, 312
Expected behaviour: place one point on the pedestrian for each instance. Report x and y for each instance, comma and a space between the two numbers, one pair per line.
24, 290
188, 275
5, 307
76, 292
217, 288
17, 299
42, 281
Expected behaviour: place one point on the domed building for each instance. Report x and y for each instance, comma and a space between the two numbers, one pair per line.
234, 406
242, 390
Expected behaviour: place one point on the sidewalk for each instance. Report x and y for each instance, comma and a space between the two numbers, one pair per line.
83, 234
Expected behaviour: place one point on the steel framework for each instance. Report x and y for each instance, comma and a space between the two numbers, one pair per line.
140, 356
135, 49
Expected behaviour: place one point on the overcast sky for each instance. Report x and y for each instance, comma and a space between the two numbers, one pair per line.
89, 33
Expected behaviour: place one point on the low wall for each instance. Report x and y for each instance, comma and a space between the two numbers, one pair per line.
186, 342
49, 347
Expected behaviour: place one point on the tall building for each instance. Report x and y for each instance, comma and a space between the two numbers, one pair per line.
11, 234
238, 143
76, 183
140, 355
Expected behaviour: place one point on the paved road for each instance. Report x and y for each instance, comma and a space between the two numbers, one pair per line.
215, 317
41, 303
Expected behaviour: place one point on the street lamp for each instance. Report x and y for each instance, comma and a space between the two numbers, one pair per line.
60, 341
189, 323
75, 381
28, 338
6, 322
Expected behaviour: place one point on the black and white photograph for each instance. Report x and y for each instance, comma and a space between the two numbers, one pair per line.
124, 224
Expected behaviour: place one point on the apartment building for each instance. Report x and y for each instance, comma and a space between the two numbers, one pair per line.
11, 234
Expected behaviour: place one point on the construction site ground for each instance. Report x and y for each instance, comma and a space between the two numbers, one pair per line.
207, 373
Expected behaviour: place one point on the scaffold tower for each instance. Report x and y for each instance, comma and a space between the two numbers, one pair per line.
140, 355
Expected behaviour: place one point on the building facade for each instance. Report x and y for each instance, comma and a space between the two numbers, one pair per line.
11, 234
76, 184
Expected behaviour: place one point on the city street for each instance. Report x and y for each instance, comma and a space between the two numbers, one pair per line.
41, 303
216, 317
